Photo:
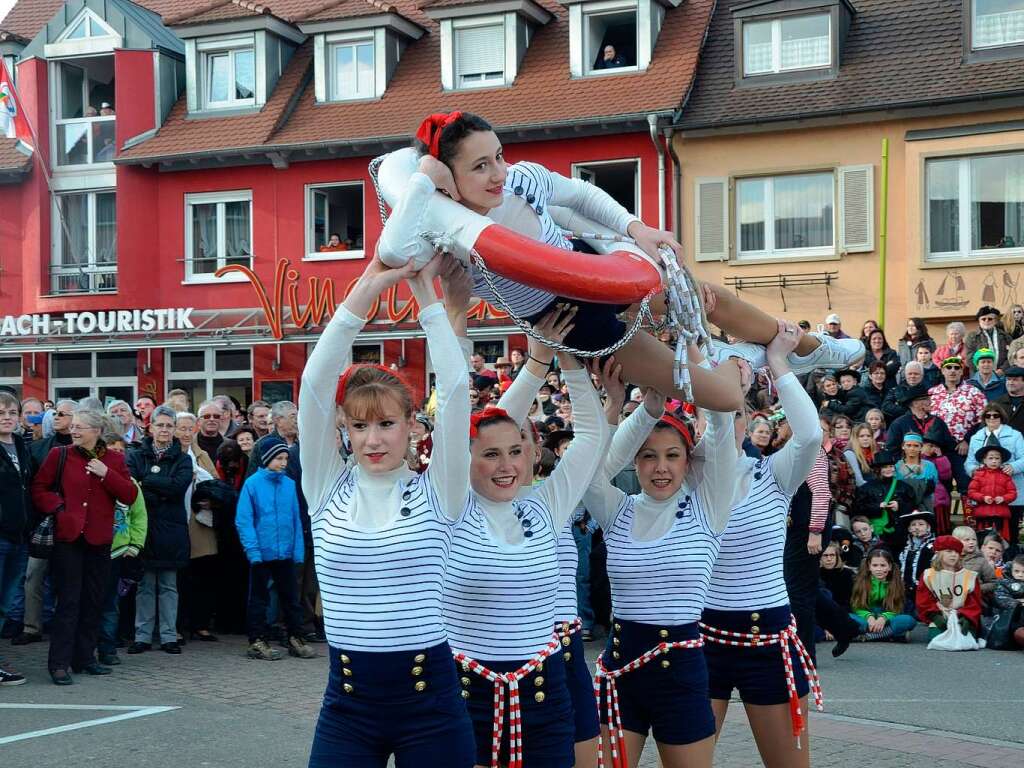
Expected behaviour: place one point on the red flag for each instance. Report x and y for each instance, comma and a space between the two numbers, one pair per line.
13, 122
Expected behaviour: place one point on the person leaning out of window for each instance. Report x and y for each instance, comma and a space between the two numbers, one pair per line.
82, 501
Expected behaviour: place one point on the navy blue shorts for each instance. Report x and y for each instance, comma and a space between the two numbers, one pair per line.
668, 696
595, 326
581, 688
757, 673
545, 707
405, 703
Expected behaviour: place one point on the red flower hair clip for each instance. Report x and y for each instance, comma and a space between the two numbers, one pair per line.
431, 128
678, 426
490, 412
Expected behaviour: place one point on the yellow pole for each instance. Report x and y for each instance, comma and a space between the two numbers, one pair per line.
883, 237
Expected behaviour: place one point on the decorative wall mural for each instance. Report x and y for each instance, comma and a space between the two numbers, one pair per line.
952, 292
957, 292
1010, 288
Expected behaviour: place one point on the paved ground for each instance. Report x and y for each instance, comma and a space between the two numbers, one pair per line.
888, 706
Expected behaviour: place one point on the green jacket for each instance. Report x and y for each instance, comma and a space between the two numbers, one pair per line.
876, 598
130, 524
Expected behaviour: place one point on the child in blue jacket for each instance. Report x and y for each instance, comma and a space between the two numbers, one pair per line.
270, 530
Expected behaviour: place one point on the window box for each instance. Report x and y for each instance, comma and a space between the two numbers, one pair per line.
785, 217
84, 243
218, 232
334, 209
974, 207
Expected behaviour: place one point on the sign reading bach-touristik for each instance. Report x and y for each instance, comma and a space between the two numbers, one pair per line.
111, 321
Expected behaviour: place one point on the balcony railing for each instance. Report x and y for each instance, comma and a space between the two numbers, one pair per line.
86, 140
83, 278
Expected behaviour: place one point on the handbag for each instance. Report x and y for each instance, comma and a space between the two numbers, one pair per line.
40, 544
954, 638
999, 630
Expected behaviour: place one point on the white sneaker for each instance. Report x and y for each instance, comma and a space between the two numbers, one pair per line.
752, 353
832, 353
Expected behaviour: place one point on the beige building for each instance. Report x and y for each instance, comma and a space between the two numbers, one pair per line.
780, 148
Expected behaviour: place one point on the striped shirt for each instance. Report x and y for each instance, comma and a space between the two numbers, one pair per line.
499, 602
566, 608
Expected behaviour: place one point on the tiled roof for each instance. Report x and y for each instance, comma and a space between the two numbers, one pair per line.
12, 160
218, 11
10, 37
901, 54
544, 92
346, 9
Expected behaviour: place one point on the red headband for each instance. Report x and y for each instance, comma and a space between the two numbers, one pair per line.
487, 413
339, 394
678, 426
431, 128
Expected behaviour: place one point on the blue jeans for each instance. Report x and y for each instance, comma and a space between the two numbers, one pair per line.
900, 623
106, 642
583, 578
13, 561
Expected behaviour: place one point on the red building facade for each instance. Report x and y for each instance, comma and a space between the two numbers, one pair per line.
177, 238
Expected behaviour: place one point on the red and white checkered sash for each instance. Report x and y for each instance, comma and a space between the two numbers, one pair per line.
511, 680
616, 737
785, 639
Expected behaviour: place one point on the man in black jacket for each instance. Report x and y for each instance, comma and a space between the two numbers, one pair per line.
15, 517
1013, 402
893, 407
165, 473
919, 420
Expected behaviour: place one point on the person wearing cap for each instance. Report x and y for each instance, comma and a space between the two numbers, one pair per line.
917, 553
920, 420
995, 429
849, 400
883, 498
959, 405
947, 586
988, 336
834, 327
270, 530
985, 378
992, 490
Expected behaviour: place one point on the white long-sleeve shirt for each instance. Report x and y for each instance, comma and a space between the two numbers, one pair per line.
529, 191
382, 540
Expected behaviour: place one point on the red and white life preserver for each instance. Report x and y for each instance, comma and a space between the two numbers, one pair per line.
623, 275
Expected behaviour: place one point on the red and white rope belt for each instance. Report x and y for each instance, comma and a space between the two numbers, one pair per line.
616, 736
785, 639
566, 629
510, 680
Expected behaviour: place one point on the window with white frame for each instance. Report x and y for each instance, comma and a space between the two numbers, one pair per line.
996, 23
10, 374
87, 25
218, 232
334, 221
786, 45
227, 71
84, 123
619, 178
84, 242
610, 37
975, 206
479, 52
352, 69
203, 373
781, 216
74, 375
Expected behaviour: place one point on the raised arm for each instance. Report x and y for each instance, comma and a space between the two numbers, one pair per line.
562, 491
318, 452
448, 472
523, 391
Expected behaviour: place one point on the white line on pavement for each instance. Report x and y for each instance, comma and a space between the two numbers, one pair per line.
126, 713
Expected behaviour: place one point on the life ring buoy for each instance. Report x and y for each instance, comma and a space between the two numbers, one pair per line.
622, 275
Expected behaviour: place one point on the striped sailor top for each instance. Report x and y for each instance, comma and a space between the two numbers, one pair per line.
566, 608
664, 580
748, 573
382, 590
499, 599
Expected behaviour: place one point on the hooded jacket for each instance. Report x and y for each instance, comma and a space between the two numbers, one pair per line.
268, 520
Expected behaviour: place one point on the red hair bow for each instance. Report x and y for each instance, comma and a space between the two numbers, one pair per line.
678, 426
339, 394
431, 128
490, 412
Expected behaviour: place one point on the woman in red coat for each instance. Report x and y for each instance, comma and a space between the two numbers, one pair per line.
91, 481
992, 490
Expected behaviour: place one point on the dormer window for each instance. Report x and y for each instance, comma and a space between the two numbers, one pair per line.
352, 69
89, 25
783, 41
787, 44
996, 23
479, 52
609, 37
483, 43
228, 71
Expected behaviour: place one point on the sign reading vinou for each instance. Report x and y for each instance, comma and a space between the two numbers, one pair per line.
111, 321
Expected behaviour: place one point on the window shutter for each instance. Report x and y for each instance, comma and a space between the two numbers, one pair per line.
480, 49
856, 208
711, 219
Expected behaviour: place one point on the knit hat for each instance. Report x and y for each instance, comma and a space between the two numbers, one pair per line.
948, 542
983, 354
272, 446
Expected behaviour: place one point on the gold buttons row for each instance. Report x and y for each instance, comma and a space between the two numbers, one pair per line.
416, 671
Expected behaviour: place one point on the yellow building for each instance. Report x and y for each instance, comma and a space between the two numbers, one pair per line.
780, 150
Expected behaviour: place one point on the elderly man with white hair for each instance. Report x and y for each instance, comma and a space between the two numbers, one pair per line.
893, 407
122, 413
